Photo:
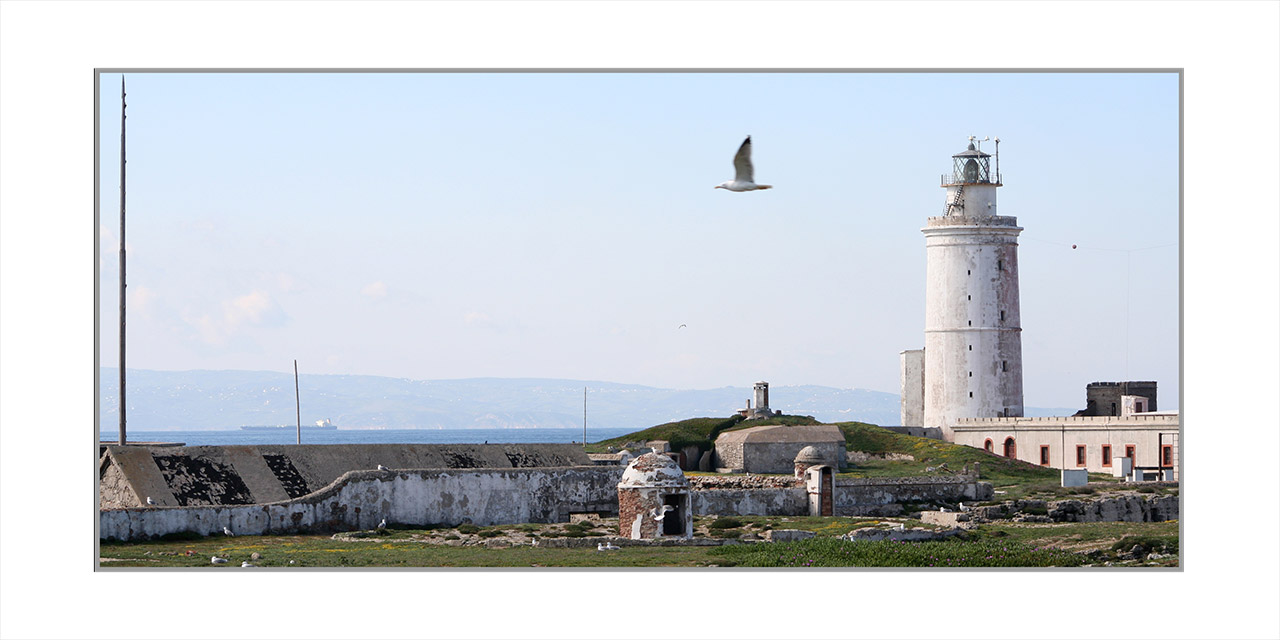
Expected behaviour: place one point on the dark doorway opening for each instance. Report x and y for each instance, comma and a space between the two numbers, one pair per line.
673, 523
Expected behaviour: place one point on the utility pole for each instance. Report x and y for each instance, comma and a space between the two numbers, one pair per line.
297, 401
122, 404
584, 417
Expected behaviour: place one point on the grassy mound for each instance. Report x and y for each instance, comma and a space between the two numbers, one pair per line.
700, 432
694, 431
927, 452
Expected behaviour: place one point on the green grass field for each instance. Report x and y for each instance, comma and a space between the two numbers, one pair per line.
995, 545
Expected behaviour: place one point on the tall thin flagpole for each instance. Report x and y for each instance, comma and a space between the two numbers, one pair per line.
122, 403
584, 417
297, 401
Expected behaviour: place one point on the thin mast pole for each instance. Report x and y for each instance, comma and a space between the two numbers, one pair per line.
584, 417
122, 403
297, 401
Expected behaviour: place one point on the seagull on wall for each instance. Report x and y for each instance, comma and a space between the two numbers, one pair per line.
743, 172
150, 501
382, 468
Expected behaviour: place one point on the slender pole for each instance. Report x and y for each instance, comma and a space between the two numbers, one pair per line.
584, 417
297, 401
123, 437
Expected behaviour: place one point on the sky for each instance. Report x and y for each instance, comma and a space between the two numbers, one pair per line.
564, 225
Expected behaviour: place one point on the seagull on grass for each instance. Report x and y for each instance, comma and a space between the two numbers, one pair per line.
247, 564
607, 546
383, 524
217, 560
743, 172
227, 531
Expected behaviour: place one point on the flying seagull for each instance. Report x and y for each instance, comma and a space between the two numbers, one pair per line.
743, 172
227, 531
679, 327
659, 514
217, 560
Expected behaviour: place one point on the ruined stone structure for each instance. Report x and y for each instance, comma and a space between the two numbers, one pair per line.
653, 499
760, 393
972, 360
1107, 398
773, 448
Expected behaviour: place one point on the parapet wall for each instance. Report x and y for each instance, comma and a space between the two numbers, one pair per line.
421, 497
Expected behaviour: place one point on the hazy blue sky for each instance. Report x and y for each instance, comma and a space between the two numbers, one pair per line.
437, 225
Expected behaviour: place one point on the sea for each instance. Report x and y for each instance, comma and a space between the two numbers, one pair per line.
369, 436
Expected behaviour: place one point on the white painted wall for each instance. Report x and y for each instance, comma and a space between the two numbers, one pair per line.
1063, 434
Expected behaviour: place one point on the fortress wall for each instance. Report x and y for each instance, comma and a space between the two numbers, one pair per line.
360, 499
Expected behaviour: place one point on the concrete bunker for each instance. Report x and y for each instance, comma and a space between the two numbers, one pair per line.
654, 499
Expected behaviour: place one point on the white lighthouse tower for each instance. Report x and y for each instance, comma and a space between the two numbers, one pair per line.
973, 330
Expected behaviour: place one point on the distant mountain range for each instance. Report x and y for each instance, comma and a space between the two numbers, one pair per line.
195, 400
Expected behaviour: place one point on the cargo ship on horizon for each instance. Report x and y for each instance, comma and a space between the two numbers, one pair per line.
320, 425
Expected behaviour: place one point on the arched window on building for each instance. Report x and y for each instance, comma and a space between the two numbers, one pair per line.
987, 445
1010, 448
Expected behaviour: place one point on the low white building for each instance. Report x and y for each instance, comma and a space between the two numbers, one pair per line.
1093, 443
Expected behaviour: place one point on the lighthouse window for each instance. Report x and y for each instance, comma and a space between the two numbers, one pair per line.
1004, 364
970, 374
971, 323
970, 297
970, 394
1001, 316
968, 272
971, 347
1000, 265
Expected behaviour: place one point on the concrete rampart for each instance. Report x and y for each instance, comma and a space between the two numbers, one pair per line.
229, 475
361, 499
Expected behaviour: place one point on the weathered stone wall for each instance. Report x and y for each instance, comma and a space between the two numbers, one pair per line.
779, 457
773, 496
360, 499
751, 502
728, 455
866, 496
